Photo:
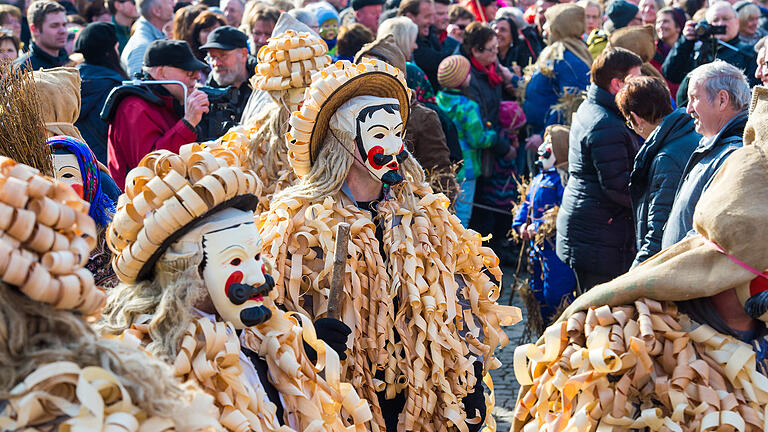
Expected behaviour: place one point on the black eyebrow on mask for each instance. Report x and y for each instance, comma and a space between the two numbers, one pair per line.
379, 125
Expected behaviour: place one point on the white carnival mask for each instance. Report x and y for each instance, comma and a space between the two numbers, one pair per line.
546, 158
67, 170
378, 128
233, 270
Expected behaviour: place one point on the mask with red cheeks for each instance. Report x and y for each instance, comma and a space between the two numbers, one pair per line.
232, 267
378, 128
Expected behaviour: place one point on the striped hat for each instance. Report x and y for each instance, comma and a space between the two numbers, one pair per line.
453, 71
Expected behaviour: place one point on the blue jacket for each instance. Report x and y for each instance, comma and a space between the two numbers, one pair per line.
595, 228
97, 82
543, 92
701, 167
545, 192
144, 33
551, 279
652, 185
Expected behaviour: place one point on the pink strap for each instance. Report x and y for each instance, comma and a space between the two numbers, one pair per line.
736, 260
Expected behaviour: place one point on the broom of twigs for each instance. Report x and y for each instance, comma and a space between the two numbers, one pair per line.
22, 130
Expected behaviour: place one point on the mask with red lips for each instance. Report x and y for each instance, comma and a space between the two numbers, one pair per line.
378, 129
232, 267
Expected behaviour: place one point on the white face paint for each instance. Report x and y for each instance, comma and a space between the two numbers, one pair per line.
379, 129
546, 156
234, 273
68, 171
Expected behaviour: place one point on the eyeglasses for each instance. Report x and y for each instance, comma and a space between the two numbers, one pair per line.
491, 49
210, 58
461, 26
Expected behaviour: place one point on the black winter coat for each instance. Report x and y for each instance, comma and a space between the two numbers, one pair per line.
652, 185
595, 229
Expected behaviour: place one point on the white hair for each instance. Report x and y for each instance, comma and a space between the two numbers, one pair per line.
720, 75
717, 5
513, 13
145, 7
403, 30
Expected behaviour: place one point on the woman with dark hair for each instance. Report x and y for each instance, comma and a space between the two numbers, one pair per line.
669, 26
203, 24
100, 73
670, 139
9, 45
183, 19
513, 49
496, 188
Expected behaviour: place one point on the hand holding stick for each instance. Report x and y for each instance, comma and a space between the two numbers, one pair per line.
336, 294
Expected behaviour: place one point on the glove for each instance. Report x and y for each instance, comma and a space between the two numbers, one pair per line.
334, 333
475, 401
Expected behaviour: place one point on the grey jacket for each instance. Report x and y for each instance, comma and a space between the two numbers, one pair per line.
656, 174
698, 173
133, 54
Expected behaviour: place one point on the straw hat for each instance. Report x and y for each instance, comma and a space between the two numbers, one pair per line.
641, 40
331, 88
46, 240
167, 194
289, 60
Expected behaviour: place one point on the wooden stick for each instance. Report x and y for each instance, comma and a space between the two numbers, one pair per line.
336, 295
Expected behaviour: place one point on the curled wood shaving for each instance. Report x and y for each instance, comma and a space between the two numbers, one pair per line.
635, 367
63, 396
316, 402
436, 271
312, 396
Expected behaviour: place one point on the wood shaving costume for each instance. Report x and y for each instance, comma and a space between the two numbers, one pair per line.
286, 64
55, 372
419, 290
195, 291
633, 362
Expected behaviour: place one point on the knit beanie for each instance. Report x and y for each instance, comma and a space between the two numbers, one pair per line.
620, 13
453, 71
95, 39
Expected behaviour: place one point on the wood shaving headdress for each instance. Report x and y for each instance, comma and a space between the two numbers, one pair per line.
289, 60
331, 88
167, 193
46, 240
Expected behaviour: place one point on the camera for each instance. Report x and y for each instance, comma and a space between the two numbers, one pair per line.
706, 30
223, 112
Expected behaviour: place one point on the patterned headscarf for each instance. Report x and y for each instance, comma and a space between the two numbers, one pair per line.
102, 207
418, 82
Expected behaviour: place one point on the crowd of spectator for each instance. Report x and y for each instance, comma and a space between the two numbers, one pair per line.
654, 94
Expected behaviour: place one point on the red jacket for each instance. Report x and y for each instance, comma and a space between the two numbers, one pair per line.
140, 127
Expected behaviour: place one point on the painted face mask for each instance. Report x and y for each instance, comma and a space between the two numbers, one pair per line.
67, 171
329, 29
233, 270
546, 158
378, 129
754, 297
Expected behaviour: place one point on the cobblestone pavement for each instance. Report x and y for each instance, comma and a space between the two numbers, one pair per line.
504, 382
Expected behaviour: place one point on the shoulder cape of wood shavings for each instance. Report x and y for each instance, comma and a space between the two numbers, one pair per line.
64, 396
636, 367
437, 270
264, 138
210, 357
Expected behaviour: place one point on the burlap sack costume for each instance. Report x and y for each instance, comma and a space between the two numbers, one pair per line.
59, 92
727, 253
641, 40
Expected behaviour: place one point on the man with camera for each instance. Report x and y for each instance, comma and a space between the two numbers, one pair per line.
231, 65
147, 117
715, 38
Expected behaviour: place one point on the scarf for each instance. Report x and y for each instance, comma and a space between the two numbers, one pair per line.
102, 207
494, 79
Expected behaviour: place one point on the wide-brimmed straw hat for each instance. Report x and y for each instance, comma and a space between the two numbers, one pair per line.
167, 194
332, 87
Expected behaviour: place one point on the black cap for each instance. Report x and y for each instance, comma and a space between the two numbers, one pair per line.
359, 4
226, 38
172, 53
